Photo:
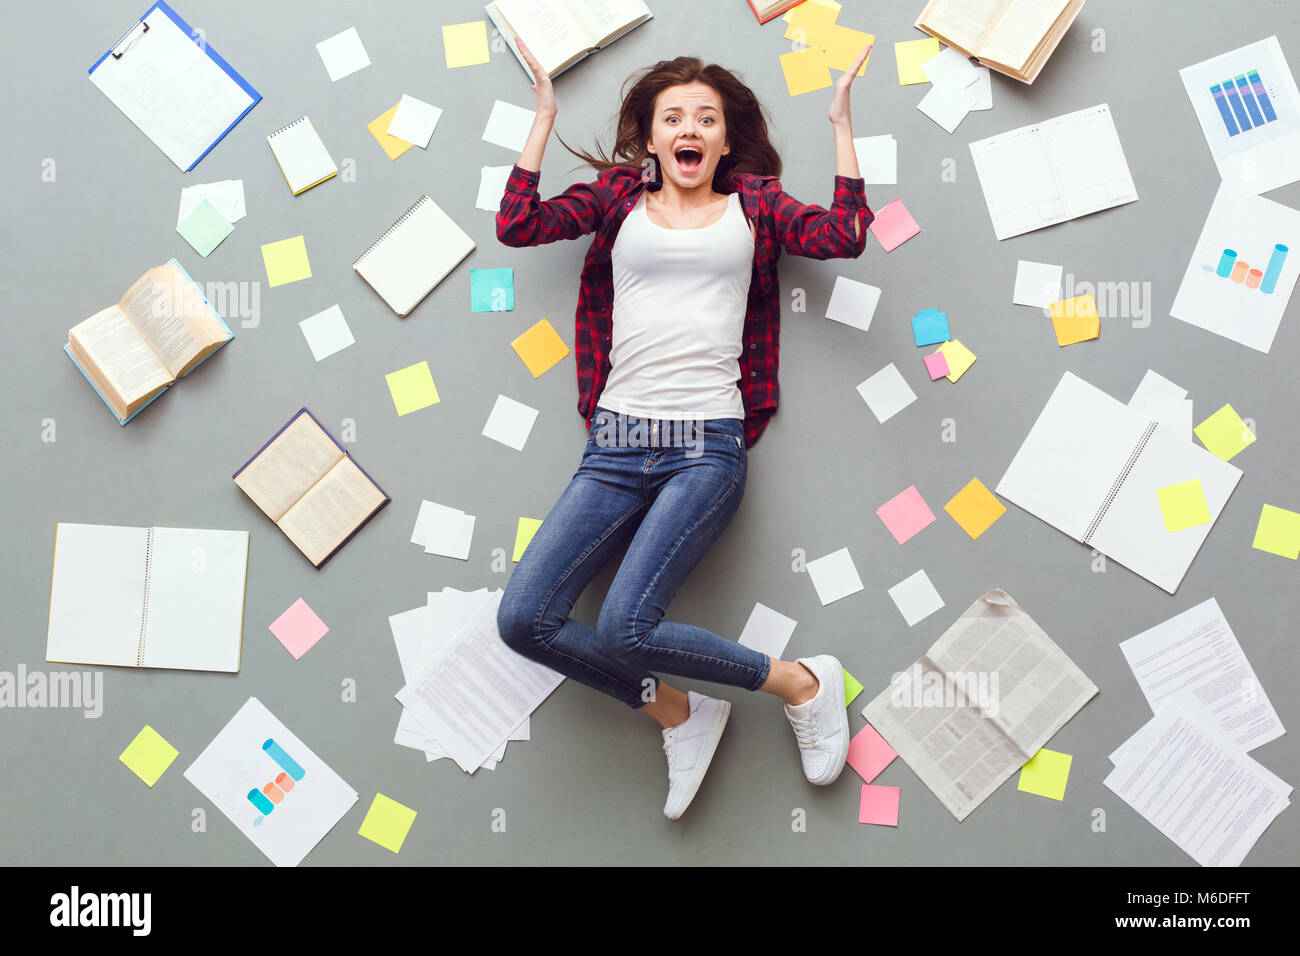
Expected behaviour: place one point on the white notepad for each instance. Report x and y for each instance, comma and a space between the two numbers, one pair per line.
147, 597
1091, 467
302, 155
414, 255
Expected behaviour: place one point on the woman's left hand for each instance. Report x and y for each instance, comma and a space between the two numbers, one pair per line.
839, 113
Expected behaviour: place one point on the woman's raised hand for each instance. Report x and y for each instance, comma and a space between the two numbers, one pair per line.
839, 113
545, 92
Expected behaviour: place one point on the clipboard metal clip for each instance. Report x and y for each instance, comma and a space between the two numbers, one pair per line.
129, 38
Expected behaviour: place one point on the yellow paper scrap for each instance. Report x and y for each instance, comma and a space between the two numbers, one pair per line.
975, 508
286, 261
148, 755
852, 688
378, 127
524, 534
1045, 774
805, 70
831, 4
910, 54
1075, 320
465, 44
540, 347
1224, 433
387, 822
811, 24
959, 358
1183, 505
1278, 532
844, 46
412, 388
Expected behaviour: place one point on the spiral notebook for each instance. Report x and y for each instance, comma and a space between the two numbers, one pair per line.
1091, 467
414, 255
302, 155
147, 597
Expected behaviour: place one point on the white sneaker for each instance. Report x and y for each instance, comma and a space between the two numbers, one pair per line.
690, 746
821, 725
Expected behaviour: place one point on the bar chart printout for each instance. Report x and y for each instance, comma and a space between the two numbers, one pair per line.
1232, 268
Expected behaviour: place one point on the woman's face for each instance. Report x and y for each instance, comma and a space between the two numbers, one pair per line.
689, 115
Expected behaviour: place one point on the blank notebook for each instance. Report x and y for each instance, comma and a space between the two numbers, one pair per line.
147, 597
414, 255
1091, 467
302, 156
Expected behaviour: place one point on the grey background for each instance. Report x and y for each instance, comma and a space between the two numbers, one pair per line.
589, 786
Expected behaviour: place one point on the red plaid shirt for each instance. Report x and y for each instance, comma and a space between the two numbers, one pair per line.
600, 206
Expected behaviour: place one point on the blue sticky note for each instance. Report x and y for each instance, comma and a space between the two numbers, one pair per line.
492, 290
930, 327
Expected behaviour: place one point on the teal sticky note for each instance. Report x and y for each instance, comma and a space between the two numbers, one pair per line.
930, 327
205, 228
492, 290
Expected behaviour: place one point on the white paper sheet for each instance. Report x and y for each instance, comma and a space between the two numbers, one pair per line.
1037, 284
510, 422
982, 89
343, 54
915, 598
327, 332
492, 187
226, 196
947, 106
414, 121
950, 68
509, 125
443, 530
886, 393
834, 576
877, 159
767, 631
853, 303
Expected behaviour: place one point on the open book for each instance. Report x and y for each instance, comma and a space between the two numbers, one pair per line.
765, 10
147, 597
1014, 37
160, 329
562, 32
306, 483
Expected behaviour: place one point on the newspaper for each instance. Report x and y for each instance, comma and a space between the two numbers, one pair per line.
984, 699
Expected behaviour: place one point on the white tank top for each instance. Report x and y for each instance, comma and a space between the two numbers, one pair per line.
679, 314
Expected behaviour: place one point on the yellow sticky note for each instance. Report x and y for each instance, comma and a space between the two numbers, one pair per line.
465, 44
1075, 320
805, 70
843, 47
1278, 532
1046, 774
1224, 433
1183, 505
540, 347
959, 358
831, 4
910, 54
412, 388
524, 534
811, 24
851, 688
387, 822
286, 261
378, 127
975, 508
148, 755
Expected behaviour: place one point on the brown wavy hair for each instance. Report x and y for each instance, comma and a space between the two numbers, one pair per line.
746, 119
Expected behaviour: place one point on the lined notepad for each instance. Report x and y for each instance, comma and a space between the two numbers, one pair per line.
302, 155
414, 255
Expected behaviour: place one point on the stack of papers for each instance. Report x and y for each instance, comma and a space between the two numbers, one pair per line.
957, 87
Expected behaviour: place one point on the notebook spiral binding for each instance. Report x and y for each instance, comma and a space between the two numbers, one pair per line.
300, 119
1119, 481
144, 611
393, 228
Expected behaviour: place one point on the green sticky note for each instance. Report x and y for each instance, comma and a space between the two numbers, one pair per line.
205, 228
412, 388
148, 755
387, 822
492, 290
1183, 505
1278, 532
286, 261
524, 534
851, 688
1224, 433
1046, 774
910, 54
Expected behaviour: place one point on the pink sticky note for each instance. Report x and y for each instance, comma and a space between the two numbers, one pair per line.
298, 629
879, 805
905, 514
937, 365
894, 225
869, 754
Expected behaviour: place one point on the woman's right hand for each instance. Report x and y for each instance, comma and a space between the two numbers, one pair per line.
545, 92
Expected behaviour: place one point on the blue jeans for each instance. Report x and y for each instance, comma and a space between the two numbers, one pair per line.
671, 502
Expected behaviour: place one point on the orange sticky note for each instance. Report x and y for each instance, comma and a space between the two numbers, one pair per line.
843, 47
805, 70
975, 508
540, 347
1075, 320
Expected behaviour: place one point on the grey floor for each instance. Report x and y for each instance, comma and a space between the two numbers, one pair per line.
589, 786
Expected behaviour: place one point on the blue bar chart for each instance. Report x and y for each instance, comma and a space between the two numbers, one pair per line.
1243, 103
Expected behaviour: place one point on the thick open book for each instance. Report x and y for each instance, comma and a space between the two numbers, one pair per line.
1014, 37
765, 10
157, 333
562, 32
306, 483
147, 597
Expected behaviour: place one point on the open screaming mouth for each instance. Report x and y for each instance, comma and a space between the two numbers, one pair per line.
688, 158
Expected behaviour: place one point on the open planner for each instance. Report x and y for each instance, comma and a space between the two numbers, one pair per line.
147, 597
170, 82
1053, 171
302, 155
306, 483
1091, 467
414, 255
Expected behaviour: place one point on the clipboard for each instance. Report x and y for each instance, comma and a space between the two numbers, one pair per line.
159, 42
